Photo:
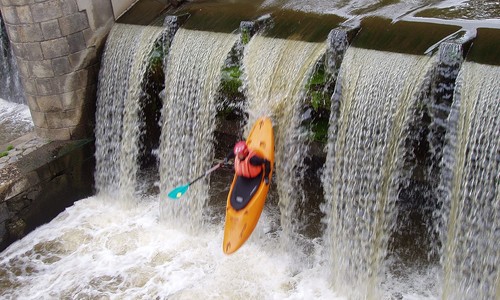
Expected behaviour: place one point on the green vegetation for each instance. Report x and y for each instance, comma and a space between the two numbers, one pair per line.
230, 80
6, 152
320, 130
230, 94
245, 36
315, 87
156, 58
319, 91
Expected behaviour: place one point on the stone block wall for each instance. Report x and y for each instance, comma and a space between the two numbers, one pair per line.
57, 44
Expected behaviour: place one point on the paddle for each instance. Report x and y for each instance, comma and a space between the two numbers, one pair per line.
180, 190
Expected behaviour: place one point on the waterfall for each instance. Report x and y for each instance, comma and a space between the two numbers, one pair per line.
15, 117
372, 109
118, 122
10, 84
470, 187
276, 71
15, 120
162, 248
192, 78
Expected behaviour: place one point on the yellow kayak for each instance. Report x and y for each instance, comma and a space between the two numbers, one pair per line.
247, 195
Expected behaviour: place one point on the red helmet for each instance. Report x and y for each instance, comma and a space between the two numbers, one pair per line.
240, 147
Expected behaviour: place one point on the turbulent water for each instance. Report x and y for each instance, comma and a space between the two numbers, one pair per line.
364, 164
15, 120
101, 249
118, 120
192, 78
470, 187
276, 72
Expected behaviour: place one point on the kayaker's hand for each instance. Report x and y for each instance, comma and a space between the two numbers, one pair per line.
225, 161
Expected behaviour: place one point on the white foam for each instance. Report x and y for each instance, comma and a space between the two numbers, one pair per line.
15, 120
16, 111
100, 248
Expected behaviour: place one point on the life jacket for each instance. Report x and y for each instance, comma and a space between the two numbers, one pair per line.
245, 168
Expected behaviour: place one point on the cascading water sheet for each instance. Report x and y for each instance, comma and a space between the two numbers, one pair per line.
378, 93
276, 71
192, 78
11, 88
15, 120
470, 187
101, 249
118, 122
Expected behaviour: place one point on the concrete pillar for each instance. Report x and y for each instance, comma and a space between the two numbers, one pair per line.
57, 45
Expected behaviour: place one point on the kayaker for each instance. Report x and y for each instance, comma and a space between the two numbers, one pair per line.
247, 163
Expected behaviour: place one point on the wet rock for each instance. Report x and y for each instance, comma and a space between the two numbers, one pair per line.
16, 228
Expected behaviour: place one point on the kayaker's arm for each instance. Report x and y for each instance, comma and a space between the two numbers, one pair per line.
256, 161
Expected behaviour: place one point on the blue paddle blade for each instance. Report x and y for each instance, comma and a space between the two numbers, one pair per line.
178, 192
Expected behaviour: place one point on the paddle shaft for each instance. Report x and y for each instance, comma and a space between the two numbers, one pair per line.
206, 173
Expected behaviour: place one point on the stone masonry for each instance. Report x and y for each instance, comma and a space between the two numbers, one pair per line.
57, 45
